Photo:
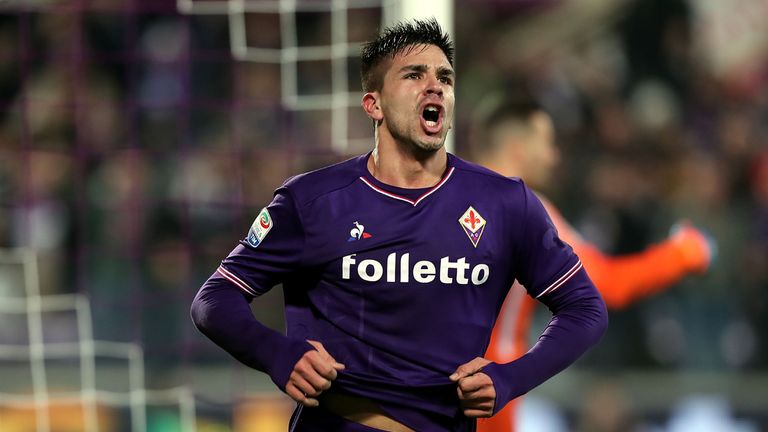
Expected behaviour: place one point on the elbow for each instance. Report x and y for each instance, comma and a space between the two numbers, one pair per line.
594, 316
198, 312
595, 310
604, 320
601, 320
208, 304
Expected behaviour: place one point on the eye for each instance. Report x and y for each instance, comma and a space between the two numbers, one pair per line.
446, 80
412, 75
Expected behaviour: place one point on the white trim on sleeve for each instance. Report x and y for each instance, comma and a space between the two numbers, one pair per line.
236, 280
563, 279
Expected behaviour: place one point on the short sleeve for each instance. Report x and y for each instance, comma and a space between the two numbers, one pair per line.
545, 262
272, 249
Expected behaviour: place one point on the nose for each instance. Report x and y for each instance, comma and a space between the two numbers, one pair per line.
434, 86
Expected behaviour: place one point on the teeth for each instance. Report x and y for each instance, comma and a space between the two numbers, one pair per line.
430, 108
431, 123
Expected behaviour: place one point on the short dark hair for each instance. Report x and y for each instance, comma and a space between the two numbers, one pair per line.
396, 38
498, 110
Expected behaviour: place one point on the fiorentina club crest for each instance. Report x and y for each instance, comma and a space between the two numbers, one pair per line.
473, 225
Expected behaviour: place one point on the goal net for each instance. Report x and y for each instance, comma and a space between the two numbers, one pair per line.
316, 45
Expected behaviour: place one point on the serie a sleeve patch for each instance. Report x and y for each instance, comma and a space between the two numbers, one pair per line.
260, 228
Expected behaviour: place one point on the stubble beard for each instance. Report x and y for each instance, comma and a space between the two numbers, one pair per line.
414, 143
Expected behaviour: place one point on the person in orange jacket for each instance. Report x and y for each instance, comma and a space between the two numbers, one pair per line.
517, 139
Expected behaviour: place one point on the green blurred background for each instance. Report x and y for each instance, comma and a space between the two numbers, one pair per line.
138, 139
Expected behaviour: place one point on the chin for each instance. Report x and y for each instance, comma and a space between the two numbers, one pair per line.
429, 147
431, 143
434, 145
420, 142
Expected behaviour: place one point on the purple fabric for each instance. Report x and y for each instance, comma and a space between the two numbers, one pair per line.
319, 420
579, 321
221, 312
401, 286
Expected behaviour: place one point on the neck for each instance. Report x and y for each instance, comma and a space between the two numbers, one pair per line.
407, 167
502, 164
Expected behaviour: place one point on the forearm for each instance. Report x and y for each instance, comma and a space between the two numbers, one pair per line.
221, 312
625, 278
580, 318
622, 279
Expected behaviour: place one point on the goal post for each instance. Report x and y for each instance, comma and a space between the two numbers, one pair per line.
441, 10
338, 49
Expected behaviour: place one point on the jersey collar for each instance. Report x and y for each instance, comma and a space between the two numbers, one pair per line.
410, 196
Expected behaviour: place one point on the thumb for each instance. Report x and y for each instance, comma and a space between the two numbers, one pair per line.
470, 368
321, 349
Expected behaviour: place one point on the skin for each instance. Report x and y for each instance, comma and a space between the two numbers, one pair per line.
409, 155
477, 394
525, 149
312, 375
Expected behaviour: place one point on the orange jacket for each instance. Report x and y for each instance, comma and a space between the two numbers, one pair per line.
620, 279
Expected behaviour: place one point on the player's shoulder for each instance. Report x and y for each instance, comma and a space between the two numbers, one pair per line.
509, 193
486, 176
311, 185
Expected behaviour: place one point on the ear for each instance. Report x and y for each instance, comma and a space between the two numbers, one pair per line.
370, 104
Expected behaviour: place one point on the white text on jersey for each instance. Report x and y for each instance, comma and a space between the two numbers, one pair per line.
371, 270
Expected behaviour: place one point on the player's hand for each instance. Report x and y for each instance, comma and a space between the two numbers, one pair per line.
312, 375
476, 391
697, 247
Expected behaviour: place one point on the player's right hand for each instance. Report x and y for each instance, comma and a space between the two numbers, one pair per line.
312, 375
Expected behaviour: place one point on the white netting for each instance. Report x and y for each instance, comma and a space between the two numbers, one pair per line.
291, 53
54, 361
339, 47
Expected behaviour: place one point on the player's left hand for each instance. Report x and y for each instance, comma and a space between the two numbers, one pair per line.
697, 247
476, 391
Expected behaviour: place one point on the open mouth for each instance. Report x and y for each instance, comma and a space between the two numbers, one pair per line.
431, 117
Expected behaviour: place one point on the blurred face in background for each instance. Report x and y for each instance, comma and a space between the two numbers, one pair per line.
531, 145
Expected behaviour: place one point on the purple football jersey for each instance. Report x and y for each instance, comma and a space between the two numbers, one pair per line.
400, 285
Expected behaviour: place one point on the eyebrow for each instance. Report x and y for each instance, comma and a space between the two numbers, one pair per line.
441, 70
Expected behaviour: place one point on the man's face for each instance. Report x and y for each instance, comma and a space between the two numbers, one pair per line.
540, 152
417, 98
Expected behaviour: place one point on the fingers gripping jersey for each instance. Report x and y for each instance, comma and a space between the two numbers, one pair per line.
400, 285
621, 280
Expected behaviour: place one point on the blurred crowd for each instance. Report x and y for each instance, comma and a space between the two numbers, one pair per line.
653, 127
134, 152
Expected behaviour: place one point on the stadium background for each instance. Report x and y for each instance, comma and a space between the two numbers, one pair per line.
139, 138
